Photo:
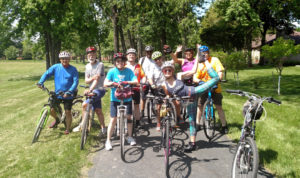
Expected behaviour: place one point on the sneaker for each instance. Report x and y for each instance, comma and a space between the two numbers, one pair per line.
103, 130
224, 130
108, 146
190, 147
54, 124
131, 141
198, 127
158, 127
66, 132
77, 129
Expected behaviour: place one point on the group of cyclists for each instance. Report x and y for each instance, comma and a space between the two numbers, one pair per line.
154, 70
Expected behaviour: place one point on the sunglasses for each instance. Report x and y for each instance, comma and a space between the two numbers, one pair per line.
167, 70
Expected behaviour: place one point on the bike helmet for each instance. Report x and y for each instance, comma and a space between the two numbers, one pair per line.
189, 49
168, 64
203, 48
156, 55
148, 48
64, 54
119, 55
131, 50
90, 49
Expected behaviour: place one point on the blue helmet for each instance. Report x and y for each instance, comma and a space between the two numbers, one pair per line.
203, 48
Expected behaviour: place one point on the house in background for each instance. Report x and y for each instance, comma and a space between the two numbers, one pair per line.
256, 46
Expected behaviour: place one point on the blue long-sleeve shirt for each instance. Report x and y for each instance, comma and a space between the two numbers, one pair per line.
65, 79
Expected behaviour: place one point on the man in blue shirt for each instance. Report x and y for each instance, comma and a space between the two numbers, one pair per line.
65, 80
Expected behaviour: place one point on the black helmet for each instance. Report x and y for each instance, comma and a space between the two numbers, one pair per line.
148, 48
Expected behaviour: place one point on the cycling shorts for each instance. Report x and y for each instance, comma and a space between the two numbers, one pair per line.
95, 104
136, 97
67, 103
216, 97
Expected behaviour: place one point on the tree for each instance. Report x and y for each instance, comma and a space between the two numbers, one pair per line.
11, 53
235, 62
278, 53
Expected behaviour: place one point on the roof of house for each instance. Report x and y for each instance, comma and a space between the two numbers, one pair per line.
256, 43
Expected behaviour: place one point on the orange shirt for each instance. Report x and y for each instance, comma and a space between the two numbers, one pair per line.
138, 71
202, 71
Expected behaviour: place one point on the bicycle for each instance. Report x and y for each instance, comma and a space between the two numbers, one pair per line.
168, 115
87, 119
45, 112
246, 159
208, 117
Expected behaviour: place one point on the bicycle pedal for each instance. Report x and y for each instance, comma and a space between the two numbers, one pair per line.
156, 149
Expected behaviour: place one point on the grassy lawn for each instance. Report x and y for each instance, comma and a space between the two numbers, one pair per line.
57, 155
277, 136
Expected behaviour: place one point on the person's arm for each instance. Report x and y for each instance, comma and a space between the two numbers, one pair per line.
174, 55
189, 73
164, 87
75, 81
47, 75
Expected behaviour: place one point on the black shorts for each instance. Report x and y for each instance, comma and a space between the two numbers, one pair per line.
217, 98
67, 103
136, 97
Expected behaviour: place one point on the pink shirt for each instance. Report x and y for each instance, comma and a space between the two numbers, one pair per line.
187, 65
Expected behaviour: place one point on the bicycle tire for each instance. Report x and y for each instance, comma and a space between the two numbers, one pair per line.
173, 114
241, 166
209, 121
122, 135
84, 129
40, 125
149, 110
167, 141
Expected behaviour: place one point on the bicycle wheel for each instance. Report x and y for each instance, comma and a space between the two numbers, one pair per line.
84, 130
76, 109
40, 125
149, 110
173, 115
122, 135
167, 142
208, 119
245, 163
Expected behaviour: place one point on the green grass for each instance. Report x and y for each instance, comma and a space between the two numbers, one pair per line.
277, 137
55, 155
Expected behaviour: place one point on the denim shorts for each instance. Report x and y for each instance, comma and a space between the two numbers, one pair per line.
96, 103
114, 105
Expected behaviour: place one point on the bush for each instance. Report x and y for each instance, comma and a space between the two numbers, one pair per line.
11, 53
27, 54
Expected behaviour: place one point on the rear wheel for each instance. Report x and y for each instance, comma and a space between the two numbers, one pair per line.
208, 119
122, 135
77, 109
84, 130
245, 163
40, 125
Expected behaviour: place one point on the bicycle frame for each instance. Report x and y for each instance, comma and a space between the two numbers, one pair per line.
209, 98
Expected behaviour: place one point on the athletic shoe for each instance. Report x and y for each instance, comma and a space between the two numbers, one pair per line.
77, 129
224, 130
66, 132
190, 147
54, 124
103, 130
131, 141
108, 146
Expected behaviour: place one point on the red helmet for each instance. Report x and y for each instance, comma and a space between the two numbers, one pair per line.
90, 49
120, 55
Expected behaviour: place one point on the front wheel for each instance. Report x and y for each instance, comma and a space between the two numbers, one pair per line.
76, 109
167, 144
84, 130
122, 135
40, 125
208, 119
245, 163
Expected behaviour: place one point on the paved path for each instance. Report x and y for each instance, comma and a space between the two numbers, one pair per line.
211, 160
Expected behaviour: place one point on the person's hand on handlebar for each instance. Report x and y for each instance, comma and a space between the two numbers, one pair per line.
41, 86
124, 83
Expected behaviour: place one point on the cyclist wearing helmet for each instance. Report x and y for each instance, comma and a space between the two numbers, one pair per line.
202, 75
119, 75
138, 72
173, 86
65, 80
148, 67
94, 76
186, 63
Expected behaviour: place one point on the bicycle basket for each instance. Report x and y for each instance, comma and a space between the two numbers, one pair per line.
252, 111
123, 93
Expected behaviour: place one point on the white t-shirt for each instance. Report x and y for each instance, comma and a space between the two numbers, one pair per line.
95, 69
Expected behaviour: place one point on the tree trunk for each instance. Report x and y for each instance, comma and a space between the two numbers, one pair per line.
115, 26
122, 38
99, 52
263, 42
139, 47
130, 39
249, 48
47, 50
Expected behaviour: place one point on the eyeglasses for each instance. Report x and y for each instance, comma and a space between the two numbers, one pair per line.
167, 70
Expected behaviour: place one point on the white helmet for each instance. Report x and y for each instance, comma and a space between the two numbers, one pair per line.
64, 54
131, 50
168, 64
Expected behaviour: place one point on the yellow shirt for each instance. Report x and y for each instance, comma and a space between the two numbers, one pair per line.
202, 71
